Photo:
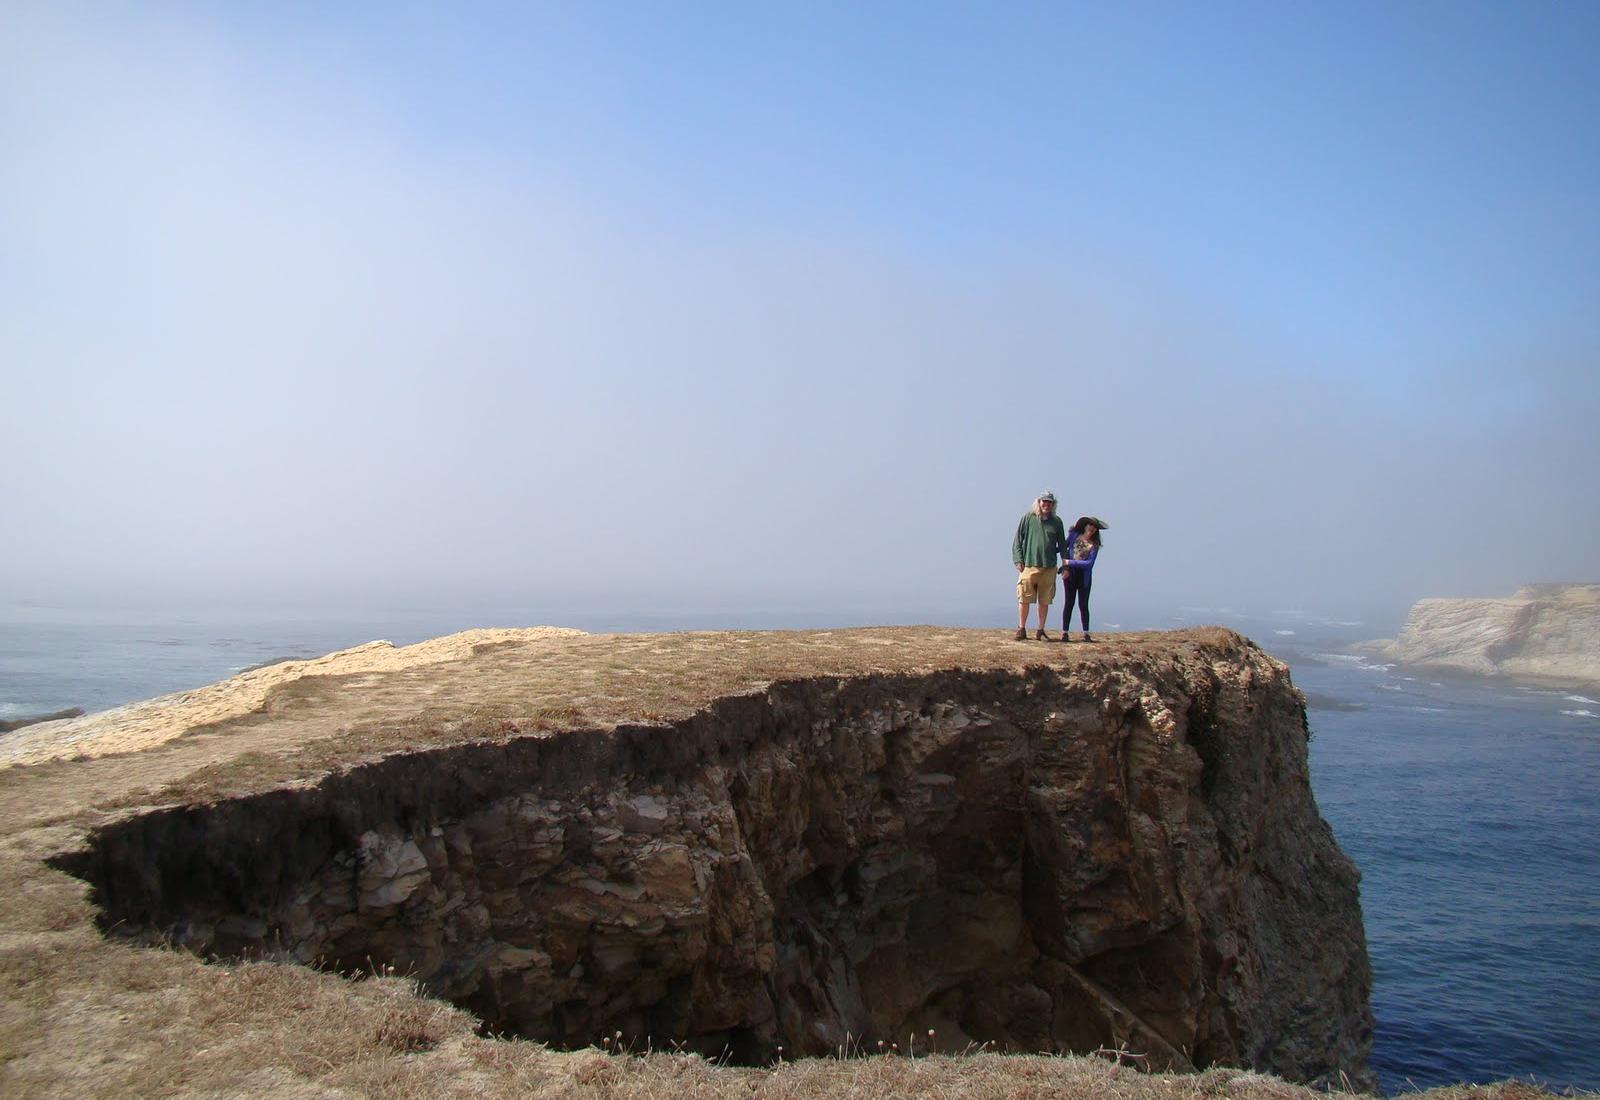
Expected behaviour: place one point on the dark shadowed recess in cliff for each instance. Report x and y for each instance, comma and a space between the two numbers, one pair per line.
1033, 859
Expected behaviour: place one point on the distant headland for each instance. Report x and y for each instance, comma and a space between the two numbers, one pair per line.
1543, 631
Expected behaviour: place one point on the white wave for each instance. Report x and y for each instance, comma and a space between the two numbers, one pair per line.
1581, 714
1285, 633
1353, 658
1376, 668
1412, 678
1581, 699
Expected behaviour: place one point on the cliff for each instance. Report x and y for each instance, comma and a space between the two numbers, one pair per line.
738, 844
1545, 631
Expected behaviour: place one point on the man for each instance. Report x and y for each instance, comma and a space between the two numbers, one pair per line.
1041, 540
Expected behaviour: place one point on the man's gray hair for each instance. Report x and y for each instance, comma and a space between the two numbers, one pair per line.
1039, 499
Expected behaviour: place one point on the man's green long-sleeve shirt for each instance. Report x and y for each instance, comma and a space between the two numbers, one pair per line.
1039, 541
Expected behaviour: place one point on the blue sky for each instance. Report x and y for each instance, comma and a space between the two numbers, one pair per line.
389, 299
1377, 177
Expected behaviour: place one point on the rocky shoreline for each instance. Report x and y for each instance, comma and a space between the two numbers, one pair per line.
13, 724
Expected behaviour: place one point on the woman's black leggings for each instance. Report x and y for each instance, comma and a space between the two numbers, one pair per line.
1081, 588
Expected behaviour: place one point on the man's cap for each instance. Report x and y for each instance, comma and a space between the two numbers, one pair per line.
1051, 497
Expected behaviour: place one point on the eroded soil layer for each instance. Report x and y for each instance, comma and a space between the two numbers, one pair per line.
1045, 858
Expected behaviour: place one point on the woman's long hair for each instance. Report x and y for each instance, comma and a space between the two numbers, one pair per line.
1084, 521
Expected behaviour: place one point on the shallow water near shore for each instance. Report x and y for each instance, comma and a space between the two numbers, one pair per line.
1467, 804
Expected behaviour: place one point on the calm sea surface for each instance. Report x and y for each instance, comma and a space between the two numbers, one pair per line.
1471, 809
1470, 806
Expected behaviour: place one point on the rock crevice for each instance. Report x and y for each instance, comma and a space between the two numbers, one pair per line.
1041, 859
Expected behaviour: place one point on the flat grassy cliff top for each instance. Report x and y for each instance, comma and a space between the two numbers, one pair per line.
296, 720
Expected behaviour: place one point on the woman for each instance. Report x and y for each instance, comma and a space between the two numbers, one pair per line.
1083, 546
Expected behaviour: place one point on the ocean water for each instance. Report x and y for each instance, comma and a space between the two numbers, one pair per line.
1469, 805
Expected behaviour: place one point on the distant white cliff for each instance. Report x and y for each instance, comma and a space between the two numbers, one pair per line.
1550, 631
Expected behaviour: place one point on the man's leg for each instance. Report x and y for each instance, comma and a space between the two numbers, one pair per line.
1025, 595
1047, 593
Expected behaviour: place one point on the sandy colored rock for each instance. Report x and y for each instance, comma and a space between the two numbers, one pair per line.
1543, 631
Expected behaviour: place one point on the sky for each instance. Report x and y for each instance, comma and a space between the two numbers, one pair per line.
723, 307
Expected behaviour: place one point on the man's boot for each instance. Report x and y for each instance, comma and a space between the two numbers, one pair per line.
1041, 635
1022, 633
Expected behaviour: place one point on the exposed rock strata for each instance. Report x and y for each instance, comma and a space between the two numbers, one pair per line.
1123, 853
1548, 631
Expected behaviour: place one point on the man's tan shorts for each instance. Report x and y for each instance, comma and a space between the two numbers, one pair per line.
1036, 584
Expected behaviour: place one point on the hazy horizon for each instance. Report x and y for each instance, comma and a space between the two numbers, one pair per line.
727, 310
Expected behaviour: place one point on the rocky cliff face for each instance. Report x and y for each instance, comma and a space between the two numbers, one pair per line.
1550, 631
1124, 853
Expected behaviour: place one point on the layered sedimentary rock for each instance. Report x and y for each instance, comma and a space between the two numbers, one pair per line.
1549, 631
1045, 851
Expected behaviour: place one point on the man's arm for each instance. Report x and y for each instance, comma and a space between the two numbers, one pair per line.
1018, 542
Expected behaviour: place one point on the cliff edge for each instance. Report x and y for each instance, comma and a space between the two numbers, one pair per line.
1542, 631
750, 845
